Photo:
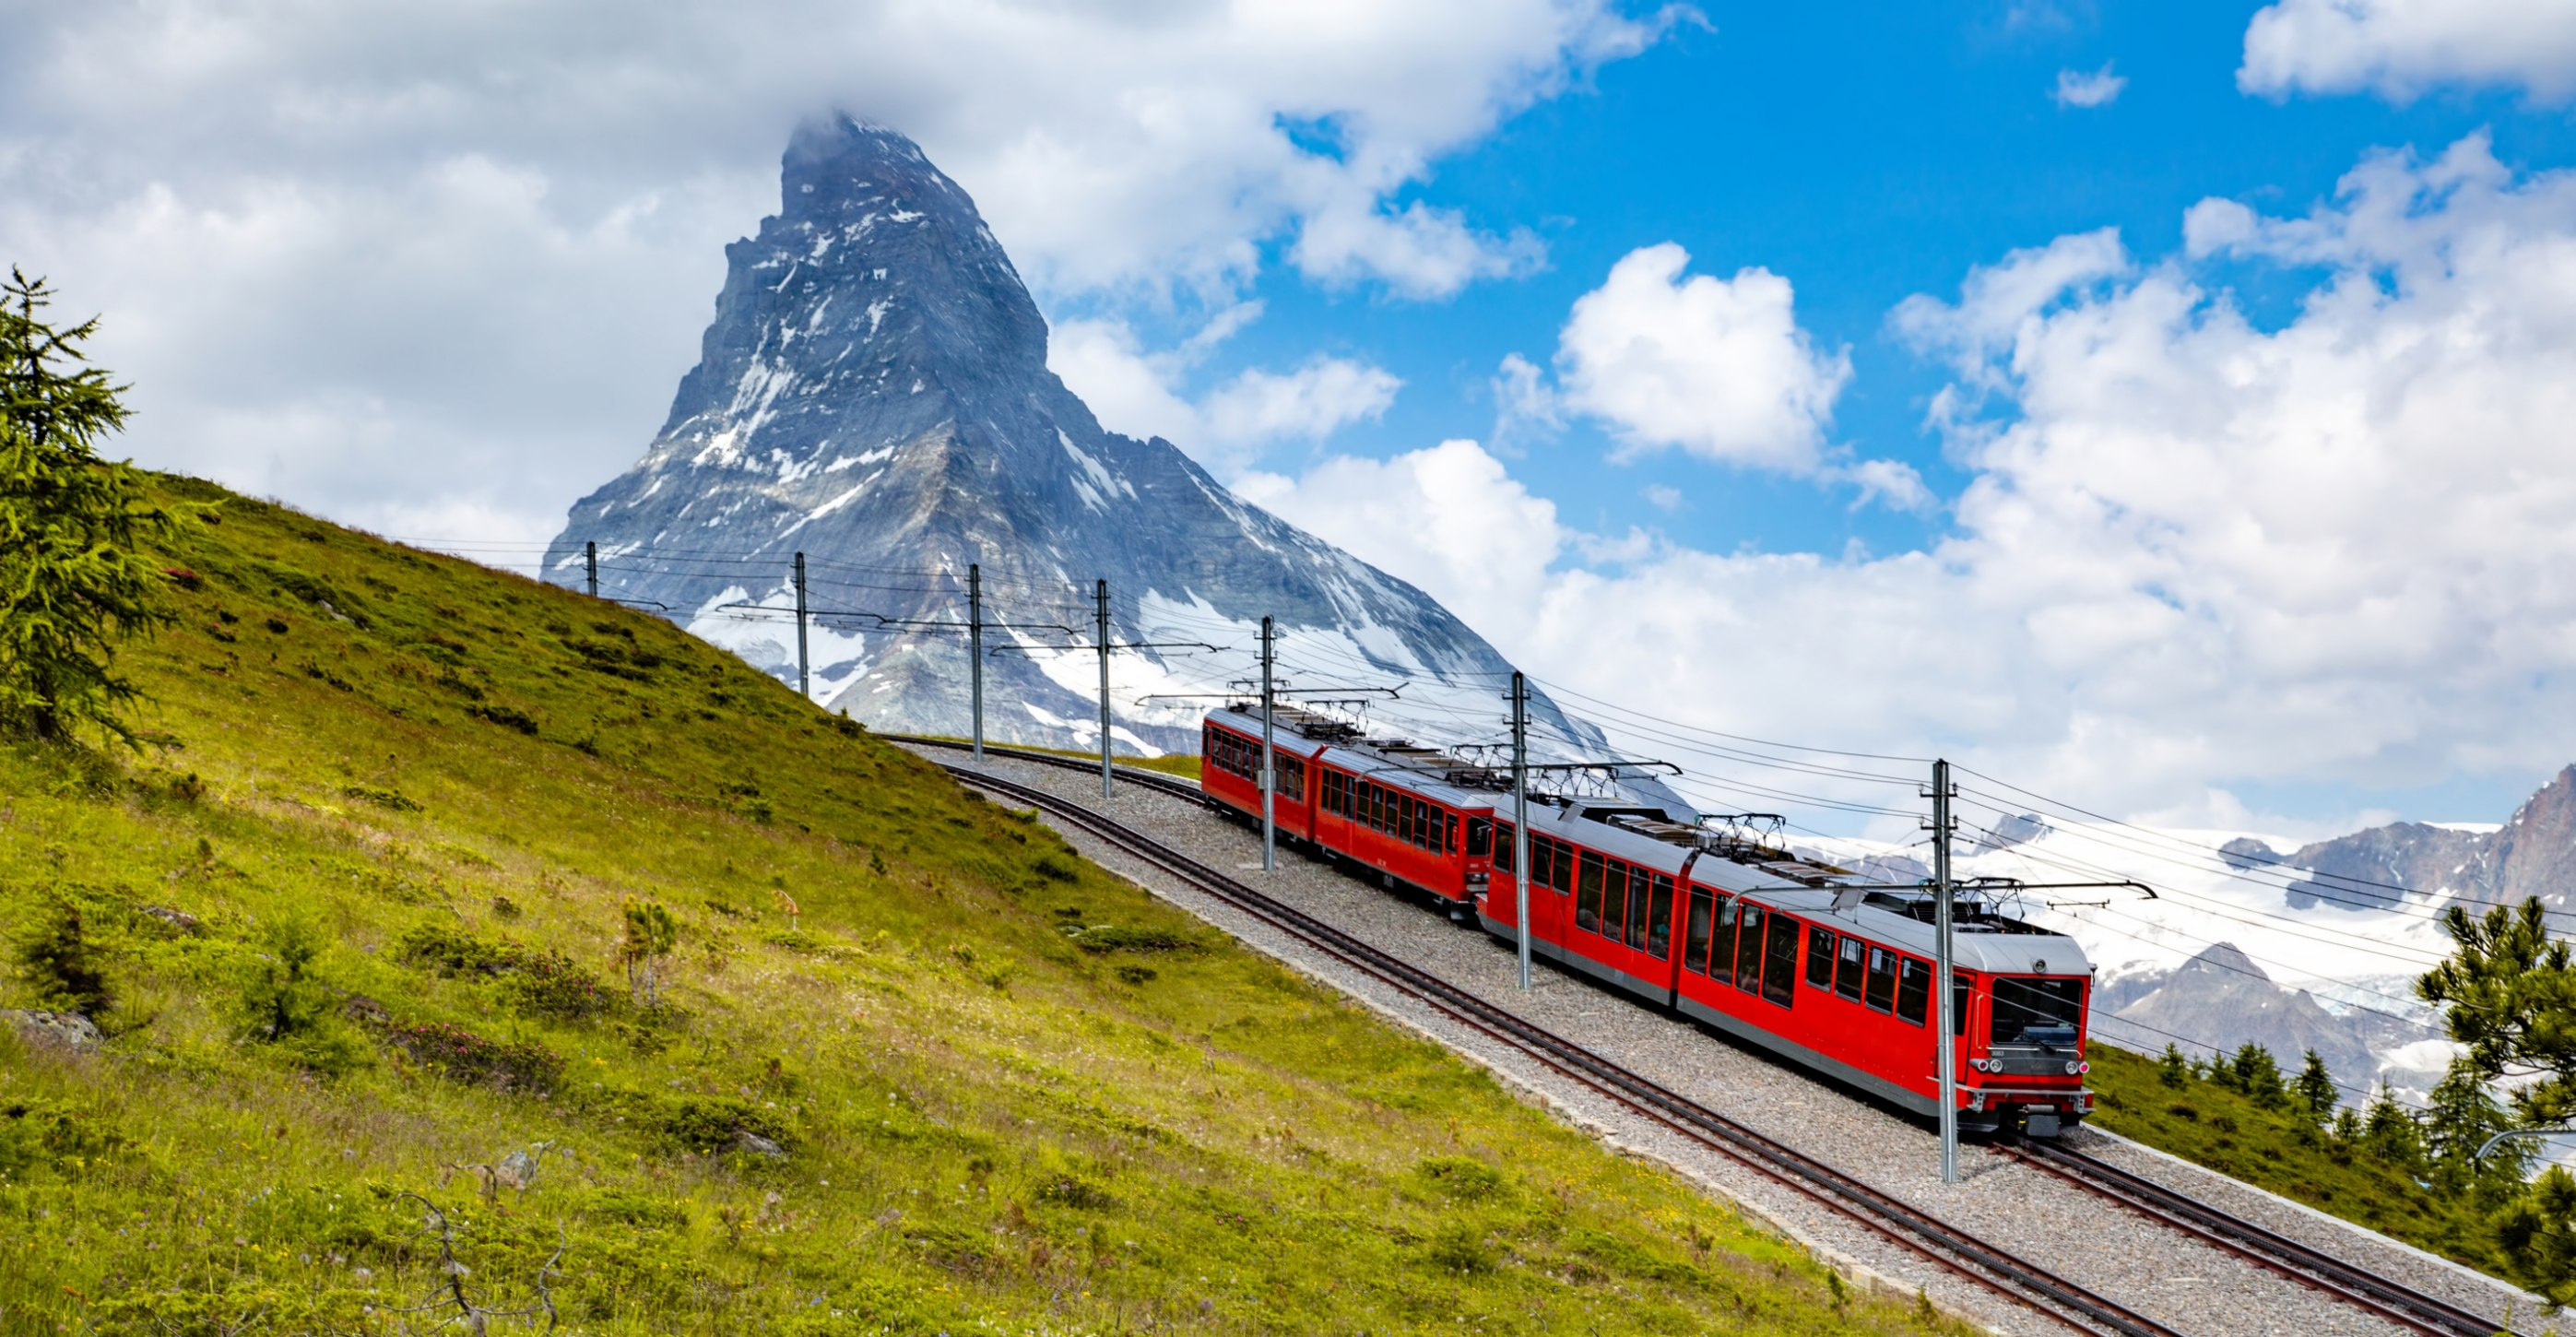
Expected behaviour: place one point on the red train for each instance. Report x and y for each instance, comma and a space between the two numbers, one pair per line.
1779, 951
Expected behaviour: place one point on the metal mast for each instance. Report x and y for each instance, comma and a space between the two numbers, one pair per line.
975, 649
1520, 822
590, 555
1100, 595
1946, 1052
1269, 757
803, 687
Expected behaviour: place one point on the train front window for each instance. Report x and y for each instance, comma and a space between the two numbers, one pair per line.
1703, 916
1881, 992
1780, 960
1480, 837
1820, 958
2036, 1012
1748, 949
1659, 918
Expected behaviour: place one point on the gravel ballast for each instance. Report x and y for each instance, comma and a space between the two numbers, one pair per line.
2150, 1268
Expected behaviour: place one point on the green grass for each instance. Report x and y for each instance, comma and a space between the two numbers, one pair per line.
1013, 1092
2213, 1126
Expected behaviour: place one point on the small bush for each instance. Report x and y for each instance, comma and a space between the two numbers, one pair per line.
1457, 1247
541, 982
508, 717
1055, 868
51, 1133
638, 1210
388, 799
65, 968
462, 1056
1081, 1194
285, 1003
1112, 938
1464, 1178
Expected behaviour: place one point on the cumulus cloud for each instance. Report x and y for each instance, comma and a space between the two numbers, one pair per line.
2337, 551
2094, 88
330, 238
1138, 392
1716, 367
2401, 48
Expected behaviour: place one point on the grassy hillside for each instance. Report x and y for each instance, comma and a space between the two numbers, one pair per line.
2213, 1126
359, 911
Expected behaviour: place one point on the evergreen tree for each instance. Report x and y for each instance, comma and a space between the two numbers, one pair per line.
2536, 1232
66, 968
2347, 1126
2259, 1077
2391, 1133
72, 583
2172, 1069
2314, 1093
2463, 1115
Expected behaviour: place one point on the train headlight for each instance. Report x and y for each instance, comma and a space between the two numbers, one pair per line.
1977, 1064
2073, 1067
2082, 1068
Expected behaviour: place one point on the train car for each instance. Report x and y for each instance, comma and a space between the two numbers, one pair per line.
1793, 956
1798, 958
1381, 803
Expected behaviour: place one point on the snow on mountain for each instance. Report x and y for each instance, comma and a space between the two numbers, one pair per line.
873, 393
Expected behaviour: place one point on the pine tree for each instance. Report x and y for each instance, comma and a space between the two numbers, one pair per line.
2173, 1069
2259, 1077
2314, 1093
2392, 1133
72, 583
2462, 1116
2347, 1126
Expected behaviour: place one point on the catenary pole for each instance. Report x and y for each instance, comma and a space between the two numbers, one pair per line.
590, 558
804, 687
1946, 1055
975, 649
1100, 593
1520, 822
1269, 759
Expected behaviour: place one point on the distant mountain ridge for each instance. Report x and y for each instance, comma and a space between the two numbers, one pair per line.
2532, 854
873, 392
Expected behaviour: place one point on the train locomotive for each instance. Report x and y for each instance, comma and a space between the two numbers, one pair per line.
1722, 925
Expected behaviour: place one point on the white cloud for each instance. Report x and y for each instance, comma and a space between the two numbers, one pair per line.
2194, 550
1717, 367
2401, 48
373, 255
1134, 391
2089, 88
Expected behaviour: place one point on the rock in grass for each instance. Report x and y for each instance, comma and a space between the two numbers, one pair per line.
59, 1030
754, 1144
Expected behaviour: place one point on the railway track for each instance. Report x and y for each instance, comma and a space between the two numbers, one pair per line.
2401, 1305
1954, 1250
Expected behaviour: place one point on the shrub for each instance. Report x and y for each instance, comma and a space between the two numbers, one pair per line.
508, 717
65, 968
461, 1055
1463, 1177
1457, 1247
1112, 938
540, 982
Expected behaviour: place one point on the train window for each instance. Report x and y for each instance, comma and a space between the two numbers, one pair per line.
1703, 914
1641, 907
1820, 958
1721, 951
1561, 876
1659, 918
1913, 989
1587, 901
1629, 890
1881, 993
1451, 844
1847, 968
1503, 847
1480, 837
1542, 861
2025, 1005
1292, 778
1959, 986
1780, 960
1614, 900
1380, 815
1748, 948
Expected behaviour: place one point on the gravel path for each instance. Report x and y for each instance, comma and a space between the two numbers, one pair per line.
2187, 1285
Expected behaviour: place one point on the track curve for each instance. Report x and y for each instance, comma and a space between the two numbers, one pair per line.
1954, 1249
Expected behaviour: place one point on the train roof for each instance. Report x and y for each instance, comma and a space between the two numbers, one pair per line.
1731, 858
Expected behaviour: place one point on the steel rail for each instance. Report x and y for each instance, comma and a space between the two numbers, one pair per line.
1135, 775
2021, 1281
2397, 1303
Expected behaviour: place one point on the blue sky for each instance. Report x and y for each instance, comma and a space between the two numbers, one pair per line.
1866, 153
2250, 503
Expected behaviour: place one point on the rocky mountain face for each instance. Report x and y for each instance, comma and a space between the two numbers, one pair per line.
2222, 998
2534, 854
874, 394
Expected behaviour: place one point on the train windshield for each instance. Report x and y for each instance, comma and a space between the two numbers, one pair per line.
2037, 1012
